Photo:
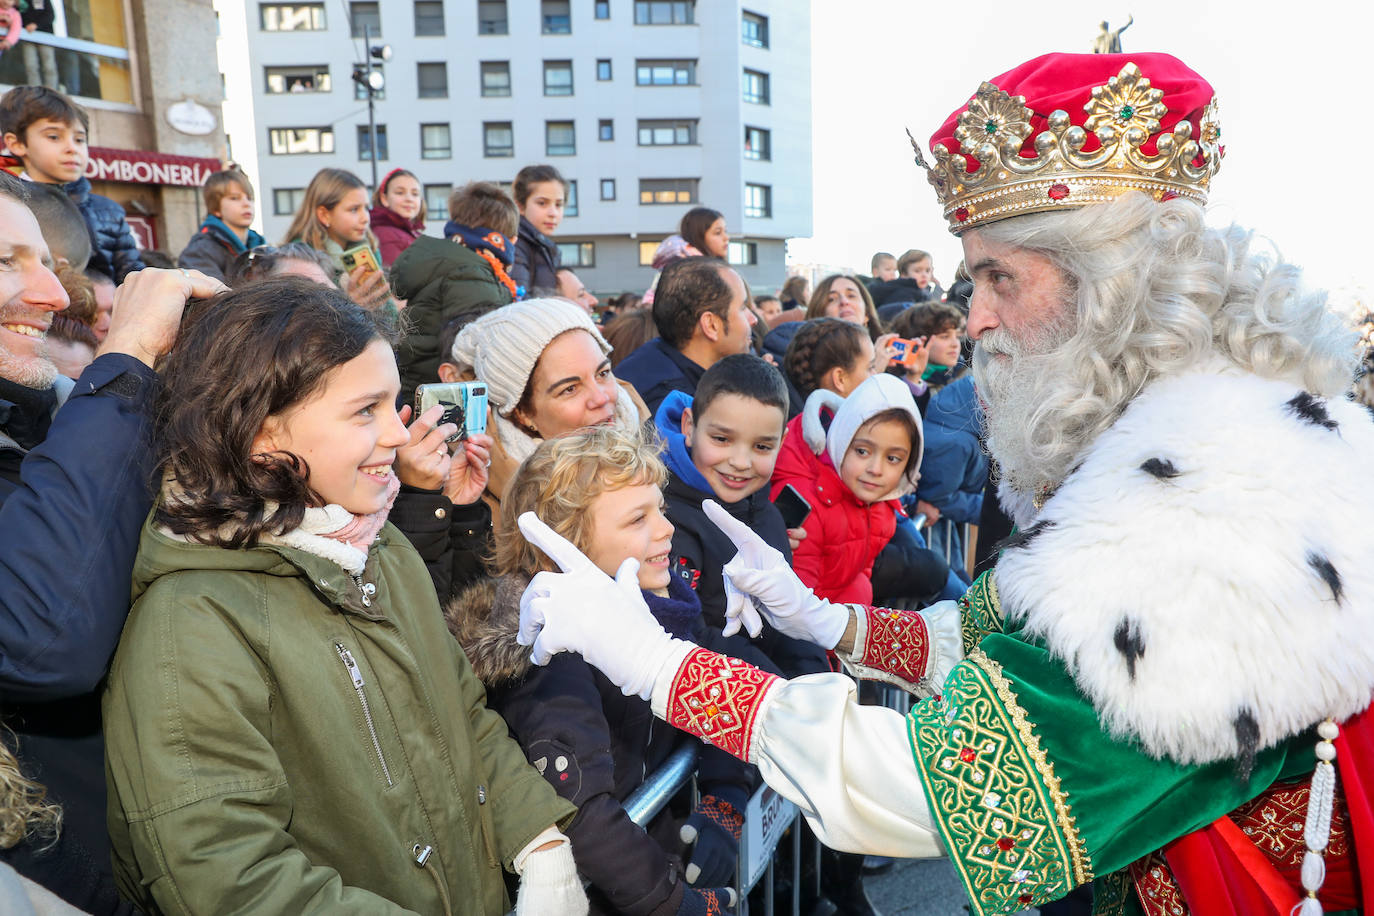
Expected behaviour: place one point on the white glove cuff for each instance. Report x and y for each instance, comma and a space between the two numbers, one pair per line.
829, 623
663, 684
547, 835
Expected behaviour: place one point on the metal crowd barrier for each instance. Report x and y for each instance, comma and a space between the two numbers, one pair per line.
767, 817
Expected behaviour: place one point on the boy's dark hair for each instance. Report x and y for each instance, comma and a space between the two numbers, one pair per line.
694, 225
293, 332
65, 327
760, 299
15, 189
449, 332
743, 374
926, 319
99, 277
531, 175
820, 345
879, 258
483, 205
156, 257
61, 222
218, 184
23, 106
687, 289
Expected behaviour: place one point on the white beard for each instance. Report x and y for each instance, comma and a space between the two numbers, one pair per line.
1023, 383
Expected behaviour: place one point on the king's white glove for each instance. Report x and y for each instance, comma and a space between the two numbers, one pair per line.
760, 571
604, 620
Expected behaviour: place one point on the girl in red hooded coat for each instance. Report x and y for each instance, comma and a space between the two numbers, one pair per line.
398, 214
852, 473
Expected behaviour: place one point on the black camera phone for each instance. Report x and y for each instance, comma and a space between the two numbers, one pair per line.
793, 506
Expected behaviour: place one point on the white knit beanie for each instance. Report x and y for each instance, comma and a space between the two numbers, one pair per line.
502, 346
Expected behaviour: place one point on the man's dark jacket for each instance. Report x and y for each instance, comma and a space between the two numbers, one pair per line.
74, 492
656, 369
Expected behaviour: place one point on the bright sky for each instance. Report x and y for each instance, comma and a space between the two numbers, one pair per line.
1296, 110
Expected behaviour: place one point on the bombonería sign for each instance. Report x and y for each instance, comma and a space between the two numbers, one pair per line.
139, 167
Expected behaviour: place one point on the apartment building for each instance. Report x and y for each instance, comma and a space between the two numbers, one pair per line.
648, 107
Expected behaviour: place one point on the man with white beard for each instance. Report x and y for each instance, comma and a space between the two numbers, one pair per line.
1156, 687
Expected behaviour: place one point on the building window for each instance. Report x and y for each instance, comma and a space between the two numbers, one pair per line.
436, 200
300, 141
603, 70
681, 132
432, 80
495, 78
569, 205
743, 253
756, 87
605, 129
754, 29
558, 78
758, 201
664, 12
429, 18
647, 250
602, 9
491, 17
608, 189
498, 140
297, 79
555, 17
364, 14
291, 17
668, 190
758, 143
286, 201
665, 72
577, 254
360, 89
365, 143
435, 142
559, 138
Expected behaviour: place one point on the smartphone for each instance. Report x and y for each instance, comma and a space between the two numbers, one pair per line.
465, 406
793, 506
905, 348
361, 256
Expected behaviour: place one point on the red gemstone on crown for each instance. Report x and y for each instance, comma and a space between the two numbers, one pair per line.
1058, 191
961, 214
968, 755
1025, 899
1169, 195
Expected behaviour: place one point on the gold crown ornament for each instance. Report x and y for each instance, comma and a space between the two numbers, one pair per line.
991, 172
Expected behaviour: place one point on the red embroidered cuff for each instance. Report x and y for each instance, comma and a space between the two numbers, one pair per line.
896, 642
718, 699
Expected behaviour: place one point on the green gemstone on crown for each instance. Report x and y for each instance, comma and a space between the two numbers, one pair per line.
1126, 113
990, 127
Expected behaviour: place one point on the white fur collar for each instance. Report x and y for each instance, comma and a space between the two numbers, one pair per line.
309, 537
1206, 572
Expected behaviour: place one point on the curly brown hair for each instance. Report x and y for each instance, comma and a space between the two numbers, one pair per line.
559, 481
820, 345
239, 358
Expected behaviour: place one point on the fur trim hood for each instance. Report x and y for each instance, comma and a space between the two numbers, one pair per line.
875, 395
485, 619
1205, 572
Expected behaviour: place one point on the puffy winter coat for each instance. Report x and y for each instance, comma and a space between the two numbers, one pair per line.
537, 260
114, 251
394, 232
954, 469
593, 744
438, 279
844, 534
286, 738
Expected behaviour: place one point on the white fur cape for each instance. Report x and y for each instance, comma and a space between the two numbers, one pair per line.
1207, 572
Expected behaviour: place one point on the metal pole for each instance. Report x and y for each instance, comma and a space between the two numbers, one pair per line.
371, 114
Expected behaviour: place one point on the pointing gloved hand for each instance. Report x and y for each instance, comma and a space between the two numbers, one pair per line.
583, 610
759, 571
715, 827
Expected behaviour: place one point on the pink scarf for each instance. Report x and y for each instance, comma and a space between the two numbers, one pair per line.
361, 530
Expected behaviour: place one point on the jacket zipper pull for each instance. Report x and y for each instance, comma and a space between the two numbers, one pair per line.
422, 854
351, 665
366, 589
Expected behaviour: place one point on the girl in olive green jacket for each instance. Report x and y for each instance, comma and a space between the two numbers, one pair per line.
289, 727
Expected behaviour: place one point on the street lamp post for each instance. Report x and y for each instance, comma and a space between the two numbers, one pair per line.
372, 82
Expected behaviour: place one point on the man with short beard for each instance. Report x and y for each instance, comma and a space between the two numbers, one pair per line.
1159, 682
74, 491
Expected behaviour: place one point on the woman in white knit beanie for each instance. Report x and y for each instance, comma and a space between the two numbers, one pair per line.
548, 372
